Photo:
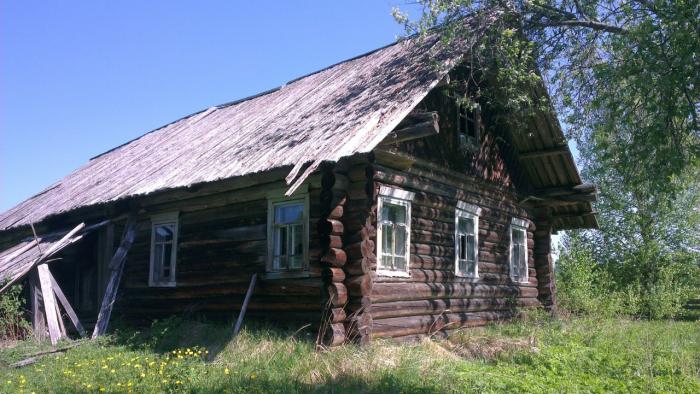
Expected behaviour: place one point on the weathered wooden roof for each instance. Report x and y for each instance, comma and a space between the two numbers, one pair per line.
342, 110
345, 109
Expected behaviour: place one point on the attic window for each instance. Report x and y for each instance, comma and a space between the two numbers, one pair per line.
468, 126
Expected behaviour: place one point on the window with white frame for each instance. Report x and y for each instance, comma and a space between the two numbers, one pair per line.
164, 232
394, 231
518, 250
467, 240
288, 234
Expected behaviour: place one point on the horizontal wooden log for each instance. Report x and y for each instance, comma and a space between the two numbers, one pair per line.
382, 292
334, 335
335, 257
411, 132
359, 285
437, 307
402, 326
337, 315
333, 274
337, 294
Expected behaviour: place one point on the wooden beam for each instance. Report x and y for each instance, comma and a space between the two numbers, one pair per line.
38, 317
241, 315
67, 306
116, 267
557, 150
49, 303
424, 128
585, 188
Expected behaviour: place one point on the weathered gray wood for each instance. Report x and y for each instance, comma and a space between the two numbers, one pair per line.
38, 317
425, 128
116, 267
557, 150
241, 315
49, 303
67, 306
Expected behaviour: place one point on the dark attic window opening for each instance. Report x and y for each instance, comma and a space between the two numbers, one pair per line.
469, 127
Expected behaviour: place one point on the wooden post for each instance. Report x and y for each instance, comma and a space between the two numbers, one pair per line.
116, 267
66, 305
38, 317
241, 315
49, 303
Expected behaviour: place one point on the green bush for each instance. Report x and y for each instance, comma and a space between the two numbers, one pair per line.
584, 287
13, 324
649, 282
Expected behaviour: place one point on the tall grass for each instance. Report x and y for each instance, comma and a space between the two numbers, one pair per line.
537, 355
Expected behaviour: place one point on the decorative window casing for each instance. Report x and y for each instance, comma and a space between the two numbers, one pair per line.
518, 251
164, 235
467, 240
393, 231
288, 234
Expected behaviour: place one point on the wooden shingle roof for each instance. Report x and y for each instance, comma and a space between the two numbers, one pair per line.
345, 109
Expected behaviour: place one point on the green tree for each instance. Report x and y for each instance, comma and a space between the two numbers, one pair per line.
623, 74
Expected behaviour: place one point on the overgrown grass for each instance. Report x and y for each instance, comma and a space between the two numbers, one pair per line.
537, 355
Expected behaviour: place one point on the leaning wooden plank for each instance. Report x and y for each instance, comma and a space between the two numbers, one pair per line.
49, 303
67, 306
35, 357
116, 267
60, 244
38, 317
241, 315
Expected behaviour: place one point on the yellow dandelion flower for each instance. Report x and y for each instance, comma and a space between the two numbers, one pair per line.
253, 376
226, 371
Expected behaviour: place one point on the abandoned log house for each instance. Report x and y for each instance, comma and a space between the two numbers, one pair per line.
362, 198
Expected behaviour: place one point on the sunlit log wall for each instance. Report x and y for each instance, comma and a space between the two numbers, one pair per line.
434, 299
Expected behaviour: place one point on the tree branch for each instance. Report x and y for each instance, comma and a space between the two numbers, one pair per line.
598, 26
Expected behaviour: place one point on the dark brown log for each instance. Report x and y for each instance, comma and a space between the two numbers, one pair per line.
335, 257
333, 274
338, 294
437, 307
337, 315
383, 292
334, 335
359, 285
430, 324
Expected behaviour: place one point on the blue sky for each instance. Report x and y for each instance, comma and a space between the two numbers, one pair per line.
78, 78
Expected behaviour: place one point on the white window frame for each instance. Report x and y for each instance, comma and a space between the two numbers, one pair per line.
159, 220
396, 197
273, 202
518, 225
469, 212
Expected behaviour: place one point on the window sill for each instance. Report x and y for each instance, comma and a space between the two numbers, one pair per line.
166, 284
288, 275
520, 282
467, 277
396, 274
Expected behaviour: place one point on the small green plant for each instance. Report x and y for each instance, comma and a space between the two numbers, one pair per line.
13, 322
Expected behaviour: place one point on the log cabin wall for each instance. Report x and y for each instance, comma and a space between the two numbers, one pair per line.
222, 242
433, 298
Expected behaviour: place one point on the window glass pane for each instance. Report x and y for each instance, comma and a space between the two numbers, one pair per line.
286, 214
282, 262
471, 267
400, 263
462, 266
297, 240
296, 262
280, 244
515, 258
157, 262
400, 241
387, 238
471, 248
394, 213
462, 246
386, 261
523, 262
470, 226
164, 232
